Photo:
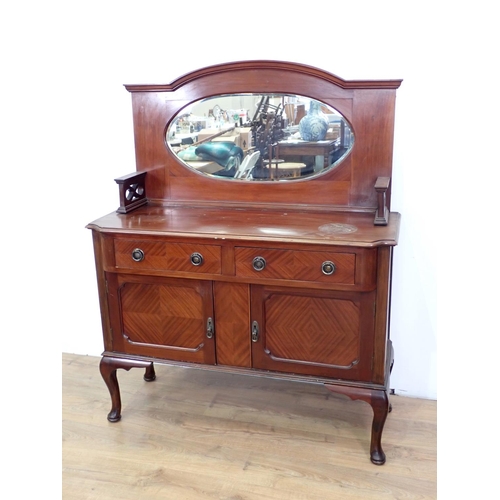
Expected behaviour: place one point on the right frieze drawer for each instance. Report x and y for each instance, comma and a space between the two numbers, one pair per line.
272, 263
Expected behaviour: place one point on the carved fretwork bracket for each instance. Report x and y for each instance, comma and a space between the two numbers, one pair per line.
382, 213
132, 192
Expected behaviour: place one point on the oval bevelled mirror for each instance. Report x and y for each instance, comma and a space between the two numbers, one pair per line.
260, 137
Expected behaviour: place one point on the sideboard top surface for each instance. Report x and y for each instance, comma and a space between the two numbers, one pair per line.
336, 228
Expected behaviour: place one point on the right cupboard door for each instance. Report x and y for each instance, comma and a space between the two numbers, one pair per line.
313, 332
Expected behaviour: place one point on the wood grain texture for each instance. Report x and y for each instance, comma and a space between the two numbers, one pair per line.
296, 265
193, 435
161, 317
159, 255
227, 222
232, 324
313, 332
313, 329
382, 327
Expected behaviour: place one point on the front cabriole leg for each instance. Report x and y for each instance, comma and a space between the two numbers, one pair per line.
379, 401
108, 367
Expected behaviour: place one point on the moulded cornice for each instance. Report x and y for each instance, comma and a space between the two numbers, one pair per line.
264, 65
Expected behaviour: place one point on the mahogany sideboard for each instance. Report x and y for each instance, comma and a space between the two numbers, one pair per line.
287, 278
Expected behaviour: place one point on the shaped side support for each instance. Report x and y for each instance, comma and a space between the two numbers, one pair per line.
108, 367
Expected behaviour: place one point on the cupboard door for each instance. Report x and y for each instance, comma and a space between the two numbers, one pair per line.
232, 307
313, 332
162, 318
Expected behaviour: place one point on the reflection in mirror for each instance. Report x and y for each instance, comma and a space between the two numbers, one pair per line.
266, 137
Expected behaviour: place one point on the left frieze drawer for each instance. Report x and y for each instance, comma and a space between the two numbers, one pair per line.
158, 255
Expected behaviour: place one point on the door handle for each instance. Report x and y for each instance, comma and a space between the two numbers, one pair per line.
210, 328
255, 331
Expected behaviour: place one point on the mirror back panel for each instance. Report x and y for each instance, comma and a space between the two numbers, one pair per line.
170, 118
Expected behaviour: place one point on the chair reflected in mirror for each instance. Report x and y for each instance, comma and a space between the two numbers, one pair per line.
244, 171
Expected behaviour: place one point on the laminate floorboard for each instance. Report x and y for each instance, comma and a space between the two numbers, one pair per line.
194, 435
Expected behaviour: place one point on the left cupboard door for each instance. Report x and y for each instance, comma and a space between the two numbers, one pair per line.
165, 318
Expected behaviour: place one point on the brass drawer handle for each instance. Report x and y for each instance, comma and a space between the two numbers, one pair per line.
196, 259
259, 263
328, 267
137, 255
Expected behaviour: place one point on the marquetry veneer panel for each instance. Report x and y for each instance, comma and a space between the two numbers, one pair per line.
296, 265
162, 315
232, 324
163, 318
313, 329
161, 255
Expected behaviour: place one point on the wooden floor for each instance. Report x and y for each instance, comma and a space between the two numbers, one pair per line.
199, 435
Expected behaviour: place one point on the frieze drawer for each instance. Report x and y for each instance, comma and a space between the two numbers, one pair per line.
158, 255
324, 266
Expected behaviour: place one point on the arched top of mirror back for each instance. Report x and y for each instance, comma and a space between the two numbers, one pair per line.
358, 146
283, 67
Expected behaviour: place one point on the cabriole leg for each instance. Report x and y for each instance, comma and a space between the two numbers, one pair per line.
108, 367
379, 401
